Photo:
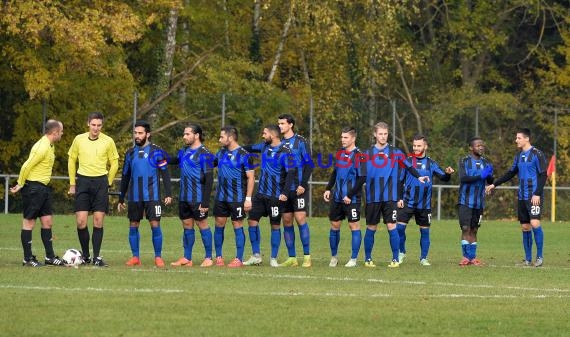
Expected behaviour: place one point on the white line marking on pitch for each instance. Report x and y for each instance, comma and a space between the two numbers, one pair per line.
277, 294
373, 280
119, 290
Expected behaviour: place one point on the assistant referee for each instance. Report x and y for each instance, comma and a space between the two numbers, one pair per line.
98, 163
33, 180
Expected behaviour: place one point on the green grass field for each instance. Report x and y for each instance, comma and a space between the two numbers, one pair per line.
499, 299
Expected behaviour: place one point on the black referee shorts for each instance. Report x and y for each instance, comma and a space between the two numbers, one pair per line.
37, 200
92, 194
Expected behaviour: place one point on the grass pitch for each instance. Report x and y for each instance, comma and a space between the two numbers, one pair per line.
499, 299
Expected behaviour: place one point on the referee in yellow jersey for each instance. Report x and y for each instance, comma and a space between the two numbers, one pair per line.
33, 180
98, 164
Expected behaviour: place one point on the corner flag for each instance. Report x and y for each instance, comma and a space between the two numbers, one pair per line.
551, 172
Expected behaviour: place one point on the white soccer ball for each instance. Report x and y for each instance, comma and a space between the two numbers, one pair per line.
72, 257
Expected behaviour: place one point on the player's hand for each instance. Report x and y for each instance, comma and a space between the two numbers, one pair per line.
535, 200
300, 190
247, 205
400, 204
347, 200
71, 190
449, 170
121, 206
15, 189
489, 189
327, 196
487, 172
424, 179
282, 197
167, 200
202, 210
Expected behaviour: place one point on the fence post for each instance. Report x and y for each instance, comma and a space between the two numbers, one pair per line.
438, 203
7, 186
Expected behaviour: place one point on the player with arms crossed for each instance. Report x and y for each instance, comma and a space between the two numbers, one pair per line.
475, 171
233, 196
144, 163
98, 164
530, 166
347, 178
196, 181
384, 184
275, 176
297, 198
35, 175
417, 198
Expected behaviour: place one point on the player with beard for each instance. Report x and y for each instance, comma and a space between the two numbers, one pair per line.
196, 180
144, 163
417, 198
275, 175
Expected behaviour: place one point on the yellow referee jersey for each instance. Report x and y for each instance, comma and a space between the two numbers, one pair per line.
93, 156
39, 165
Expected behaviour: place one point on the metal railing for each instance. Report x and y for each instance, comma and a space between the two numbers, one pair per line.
436, 193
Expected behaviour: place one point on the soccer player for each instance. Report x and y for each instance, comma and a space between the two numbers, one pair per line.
347, 178
384, 184
196, 181
475, 171
233, 196
530, 166
35, 175
98, 165
275, 176
144, 163
297, 198
417, 198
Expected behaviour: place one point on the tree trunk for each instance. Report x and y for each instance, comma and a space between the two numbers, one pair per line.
164, 71
185, 53
254, 49
408, 97
226, 24
282, 40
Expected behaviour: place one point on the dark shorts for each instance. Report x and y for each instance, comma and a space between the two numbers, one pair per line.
469, 217
422, 216
263, 205
340, 211
152, 210
229, 209
387, 210
188, 210
92, 194
295, 203
37, 200
526, 211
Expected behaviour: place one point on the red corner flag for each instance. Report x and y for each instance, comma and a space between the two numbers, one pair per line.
551, 166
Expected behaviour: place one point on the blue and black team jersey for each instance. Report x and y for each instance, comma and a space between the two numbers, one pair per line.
417, 194
232, 179
274, 173
472, 186
141, 171
302, 157
346, 174
530, 166
196, 174
384, 174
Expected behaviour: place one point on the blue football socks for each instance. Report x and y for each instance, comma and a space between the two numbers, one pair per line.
134, 240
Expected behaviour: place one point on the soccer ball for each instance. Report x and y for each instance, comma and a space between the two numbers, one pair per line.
72, 257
